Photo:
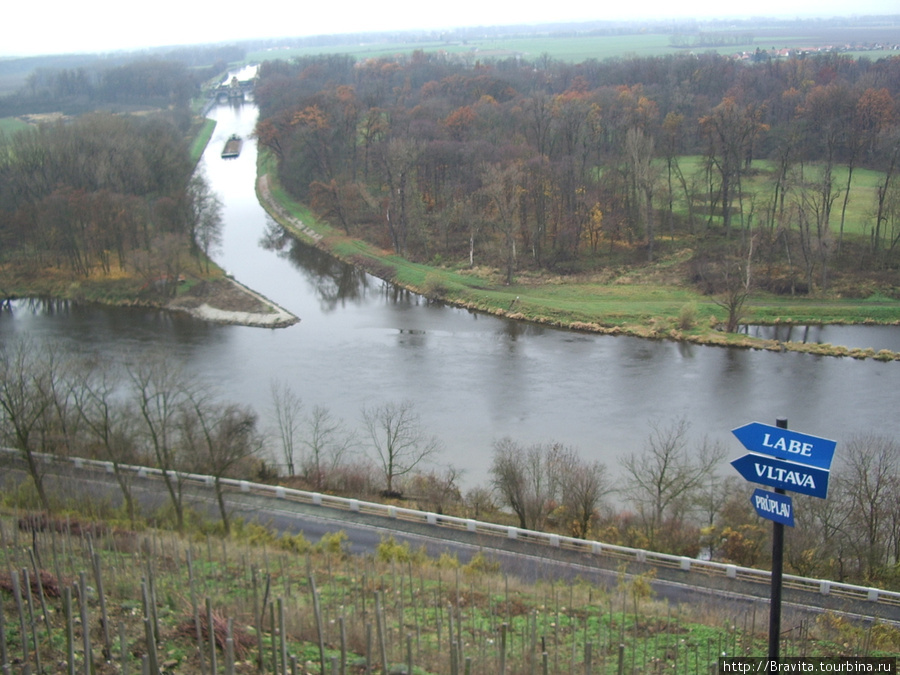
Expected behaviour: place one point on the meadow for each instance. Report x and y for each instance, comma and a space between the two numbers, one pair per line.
572, 48
10, 125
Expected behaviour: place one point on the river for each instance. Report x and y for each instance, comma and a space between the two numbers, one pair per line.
473, 378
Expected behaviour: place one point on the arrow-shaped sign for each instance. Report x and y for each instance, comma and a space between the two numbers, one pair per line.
775, 473
773, 506
791, 446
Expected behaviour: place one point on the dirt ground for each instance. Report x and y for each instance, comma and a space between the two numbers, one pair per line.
224, 295
226, 301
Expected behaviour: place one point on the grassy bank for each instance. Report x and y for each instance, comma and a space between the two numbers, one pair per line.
646, 302
202, 134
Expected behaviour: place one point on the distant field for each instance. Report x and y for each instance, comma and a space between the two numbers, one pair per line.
10, 125
566, 48
578, 48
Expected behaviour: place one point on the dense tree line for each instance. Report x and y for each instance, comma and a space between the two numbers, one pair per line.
77, 85
104, 191
674, 495
540, 164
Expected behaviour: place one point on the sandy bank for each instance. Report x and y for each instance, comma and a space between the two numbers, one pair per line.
229, 302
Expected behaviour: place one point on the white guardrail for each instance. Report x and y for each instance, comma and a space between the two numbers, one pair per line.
624, 553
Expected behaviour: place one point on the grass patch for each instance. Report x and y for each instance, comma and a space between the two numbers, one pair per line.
202, 134
11, 125
574, 49
758, 185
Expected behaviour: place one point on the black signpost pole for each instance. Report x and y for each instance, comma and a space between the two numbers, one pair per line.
783, 460
777, 572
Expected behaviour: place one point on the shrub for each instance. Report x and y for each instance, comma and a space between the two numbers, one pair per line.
687, 317
480, 564
434, 286
294, 543
389, 550
333, 542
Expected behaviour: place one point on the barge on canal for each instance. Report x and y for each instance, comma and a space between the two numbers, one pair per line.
232, 147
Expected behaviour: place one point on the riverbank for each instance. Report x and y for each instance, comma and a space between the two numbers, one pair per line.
228, 302
651, 304
213, 297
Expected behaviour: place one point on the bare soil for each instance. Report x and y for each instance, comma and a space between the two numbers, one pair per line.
221, 294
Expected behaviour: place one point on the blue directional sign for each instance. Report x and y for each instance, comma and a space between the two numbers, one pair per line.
773, 506
791, 446
776, 473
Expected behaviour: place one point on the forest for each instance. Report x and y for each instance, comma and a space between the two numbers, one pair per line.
752, 166
103, 194
75, 84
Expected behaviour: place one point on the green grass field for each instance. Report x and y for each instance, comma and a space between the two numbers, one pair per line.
758, 185
574, 49
571, 48
10, 125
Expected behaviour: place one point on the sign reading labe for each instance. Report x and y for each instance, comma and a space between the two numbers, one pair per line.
788, 445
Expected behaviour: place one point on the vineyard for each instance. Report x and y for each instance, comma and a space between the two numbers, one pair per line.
280, 604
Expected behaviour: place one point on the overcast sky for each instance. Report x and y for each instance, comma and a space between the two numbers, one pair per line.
62, 26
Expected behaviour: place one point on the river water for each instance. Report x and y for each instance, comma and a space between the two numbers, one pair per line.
473, 378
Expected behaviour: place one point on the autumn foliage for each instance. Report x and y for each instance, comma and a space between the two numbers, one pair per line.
610, 162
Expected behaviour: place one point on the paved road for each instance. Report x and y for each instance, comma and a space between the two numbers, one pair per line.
521, 559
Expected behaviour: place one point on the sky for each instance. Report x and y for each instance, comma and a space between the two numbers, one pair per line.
66, 26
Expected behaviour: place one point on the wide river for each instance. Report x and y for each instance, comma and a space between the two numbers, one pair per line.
473, 378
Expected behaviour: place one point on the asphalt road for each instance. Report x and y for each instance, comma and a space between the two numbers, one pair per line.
527, 561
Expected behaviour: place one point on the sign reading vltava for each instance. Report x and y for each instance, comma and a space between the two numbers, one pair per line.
776, 473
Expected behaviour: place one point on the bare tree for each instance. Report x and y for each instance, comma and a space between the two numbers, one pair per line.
436, 489
108, 426
328, 441
398, 440
500, 193
161, 264
287, 406
869, 479
664, 480
161, 394
524, 478
641, 179
204, 218
582, 486
735, 283
220, 438
26, 405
